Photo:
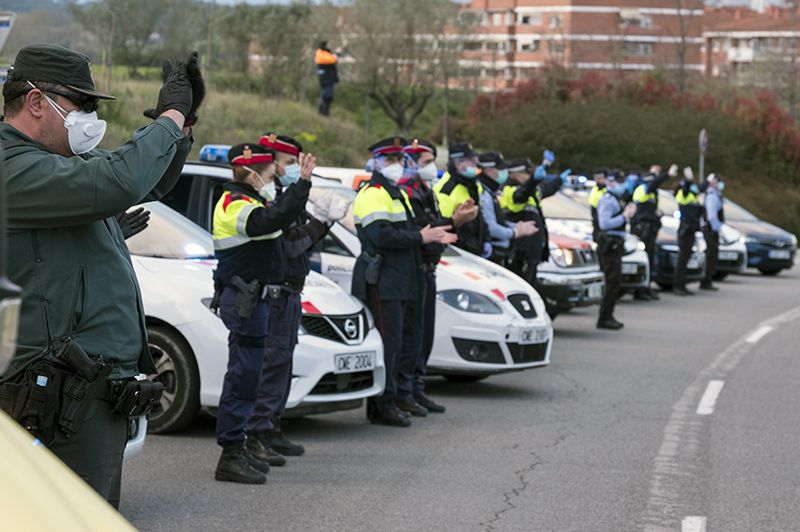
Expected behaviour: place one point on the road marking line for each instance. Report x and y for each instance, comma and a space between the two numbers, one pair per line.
693, 523
709, 399
759, 333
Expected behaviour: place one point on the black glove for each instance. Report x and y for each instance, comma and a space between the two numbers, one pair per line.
198, 87
134, 222
176, 93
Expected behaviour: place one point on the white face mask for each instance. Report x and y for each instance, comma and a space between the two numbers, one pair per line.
429, 172
84, 130
393, 172
267, 190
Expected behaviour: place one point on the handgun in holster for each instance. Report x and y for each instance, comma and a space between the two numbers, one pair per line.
247, 296
372, 272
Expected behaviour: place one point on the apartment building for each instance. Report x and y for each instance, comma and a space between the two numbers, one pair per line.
514, 38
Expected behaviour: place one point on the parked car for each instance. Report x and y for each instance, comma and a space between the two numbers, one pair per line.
338, 361
770, 249
568, 217
732, 256
488, 319
666, 247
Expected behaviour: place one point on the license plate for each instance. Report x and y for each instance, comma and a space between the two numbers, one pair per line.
780, 254
629, 268
595, 291
352, 362
693, 264
533, 336
728, 255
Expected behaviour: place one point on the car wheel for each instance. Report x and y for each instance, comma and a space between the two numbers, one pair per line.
719, 276
770, 271
176, 369
465, 378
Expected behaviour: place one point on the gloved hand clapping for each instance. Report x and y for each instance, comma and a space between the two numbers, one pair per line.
688, 173
523, 229
565, 175
198, 87
175, 93
321, 200
133, 223
338, 208
673, 170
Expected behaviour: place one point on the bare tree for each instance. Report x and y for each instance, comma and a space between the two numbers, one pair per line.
685, 15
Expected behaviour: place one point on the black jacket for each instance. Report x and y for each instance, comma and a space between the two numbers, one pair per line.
537, 247
472, 235
426, 212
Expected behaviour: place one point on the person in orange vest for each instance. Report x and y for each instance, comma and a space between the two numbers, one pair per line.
326, 60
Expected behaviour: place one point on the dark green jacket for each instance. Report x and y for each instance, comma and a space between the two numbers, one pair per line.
66, 249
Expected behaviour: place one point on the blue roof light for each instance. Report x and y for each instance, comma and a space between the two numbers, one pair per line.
214, 153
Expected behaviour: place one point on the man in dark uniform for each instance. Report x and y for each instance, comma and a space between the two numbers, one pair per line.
421, 171
326, 60
595, 194
691, 213
612, 219
66, 249
647, 221
265, 440
248, 243
522, 201
388, 274
713, 218
460, 185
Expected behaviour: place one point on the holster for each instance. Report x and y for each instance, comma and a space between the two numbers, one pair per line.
135, 398
610, 244
372, 272
248, 296
218, 288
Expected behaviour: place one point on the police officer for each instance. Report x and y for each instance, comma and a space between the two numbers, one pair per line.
265, 439
460, 185
325, 61
248, 243
647, 221
388, 274
712, 224
420, 173
691, 213
595, 194
493, 177
66, 249
521, 200
612, 218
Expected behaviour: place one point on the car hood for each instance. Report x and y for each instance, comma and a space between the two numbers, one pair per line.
760, 229
195, 277
460, 269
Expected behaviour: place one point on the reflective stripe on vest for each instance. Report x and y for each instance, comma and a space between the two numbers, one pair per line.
687, 199
640, 195
373, 204
595, 195
230, 221
448, 201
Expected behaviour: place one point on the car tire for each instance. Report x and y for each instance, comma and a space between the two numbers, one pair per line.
177, 371
465, 379
719, 276
770, 271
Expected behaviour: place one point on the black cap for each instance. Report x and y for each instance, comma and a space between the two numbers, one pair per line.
418, 146
249, 153
460, 150
523, 164
491, 159
387, 146
282, 143
599, 172
55, 64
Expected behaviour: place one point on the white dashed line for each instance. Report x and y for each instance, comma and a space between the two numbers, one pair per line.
709, 399
693, 523
758, 334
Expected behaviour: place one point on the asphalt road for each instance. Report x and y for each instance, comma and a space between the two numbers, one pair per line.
607, 438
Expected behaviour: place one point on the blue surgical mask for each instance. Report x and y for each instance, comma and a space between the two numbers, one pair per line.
617, 191
721, 187
694, 189
291, 175
470, 172
502, 177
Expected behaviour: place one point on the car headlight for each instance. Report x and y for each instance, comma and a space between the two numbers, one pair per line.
794, 240
750, 240
562, 257
469, 301
369, 319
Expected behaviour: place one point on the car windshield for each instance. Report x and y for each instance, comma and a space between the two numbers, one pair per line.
171, 236
562, 206
734, 211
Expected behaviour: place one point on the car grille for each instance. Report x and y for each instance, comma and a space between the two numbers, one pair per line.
522, 354
523, 304
477, 351
588, 256
343, 329
331, 383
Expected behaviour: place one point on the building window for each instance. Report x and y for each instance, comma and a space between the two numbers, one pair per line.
531, 46
646, 22
633, 18
555, 48
637, 49
556, 21
715, 47
507, 73
472, 46
534, 19
497, 19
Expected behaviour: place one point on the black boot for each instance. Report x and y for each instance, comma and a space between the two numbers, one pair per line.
256, 463
681, 291
408, 404
429, 404
258, 446
233, 466
609, 323
653, 294
708, 286
390, 416
642, 295
281, 444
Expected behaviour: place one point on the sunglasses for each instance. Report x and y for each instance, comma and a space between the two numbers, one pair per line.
85, 104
